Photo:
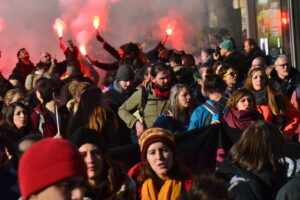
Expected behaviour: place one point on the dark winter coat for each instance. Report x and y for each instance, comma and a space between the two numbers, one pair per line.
23, 70
247, 61
285, 87
291, 190
245, 185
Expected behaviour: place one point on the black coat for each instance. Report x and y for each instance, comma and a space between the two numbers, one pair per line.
245, 185
23, 70
291, 190
285, 87
247, 61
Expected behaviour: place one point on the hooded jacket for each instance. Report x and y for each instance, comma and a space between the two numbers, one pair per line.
153, 108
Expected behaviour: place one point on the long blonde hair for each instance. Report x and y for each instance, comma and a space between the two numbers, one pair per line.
173, 104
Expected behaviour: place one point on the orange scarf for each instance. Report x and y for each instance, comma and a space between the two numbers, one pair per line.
171, 189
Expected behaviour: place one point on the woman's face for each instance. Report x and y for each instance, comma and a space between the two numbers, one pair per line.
93, 160
245, 103
184, 98
160, 158
230, 77
258, 80
20, 117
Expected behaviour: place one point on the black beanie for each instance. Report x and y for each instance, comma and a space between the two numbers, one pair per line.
125, 73
85, 135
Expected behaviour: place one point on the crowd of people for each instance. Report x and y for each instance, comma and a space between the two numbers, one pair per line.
57, 127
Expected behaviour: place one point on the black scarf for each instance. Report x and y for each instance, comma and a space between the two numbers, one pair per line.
261, 97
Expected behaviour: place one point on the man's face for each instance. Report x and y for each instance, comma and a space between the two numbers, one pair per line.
121, 53
257, 63
164, 54
282, 67
247, 47
162, 80
45, 58
203, 56
67, 189
24, 54
125, 85
223, 51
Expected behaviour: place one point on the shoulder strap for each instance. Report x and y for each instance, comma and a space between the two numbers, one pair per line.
211, 108
144, 98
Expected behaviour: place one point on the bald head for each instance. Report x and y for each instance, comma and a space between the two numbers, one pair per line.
258, 62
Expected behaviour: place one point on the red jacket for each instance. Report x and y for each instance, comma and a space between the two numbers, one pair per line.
42, 121
292, 113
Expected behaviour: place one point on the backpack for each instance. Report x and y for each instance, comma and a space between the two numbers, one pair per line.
144, 100
215, 110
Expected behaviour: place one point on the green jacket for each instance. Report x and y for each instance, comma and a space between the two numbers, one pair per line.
153, 108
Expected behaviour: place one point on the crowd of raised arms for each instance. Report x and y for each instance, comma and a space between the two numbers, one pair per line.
159, 128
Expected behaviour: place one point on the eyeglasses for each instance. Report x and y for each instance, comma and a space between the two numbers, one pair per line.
231, 74
284, 64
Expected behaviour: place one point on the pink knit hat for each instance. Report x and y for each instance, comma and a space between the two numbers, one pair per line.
47, 162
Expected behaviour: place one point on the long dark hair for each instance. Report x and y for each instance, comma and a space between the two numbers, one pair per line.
260, 147
113, 176
8, 122
8, 115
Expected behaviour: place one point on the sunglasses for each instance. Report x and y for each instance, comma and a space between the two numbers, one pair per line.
231, 74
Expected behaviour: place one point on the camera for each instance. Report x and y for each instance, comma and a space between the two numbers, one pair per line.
217, 50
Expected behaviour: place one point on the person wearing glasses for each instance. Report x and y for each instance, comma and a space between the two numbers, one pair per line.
284, 78
229, 74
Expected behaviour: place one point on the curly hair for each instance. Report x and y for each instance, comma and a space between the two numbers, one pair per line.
237, 95
77, 88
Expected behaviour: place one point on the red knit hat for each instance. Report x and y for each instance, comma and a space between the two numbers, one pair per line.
155, 134
47, 162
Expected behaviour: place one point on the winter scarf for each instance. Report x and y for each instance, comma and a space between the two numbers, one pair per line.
117, 87
261, 97
159, 93
171, 189
241, 119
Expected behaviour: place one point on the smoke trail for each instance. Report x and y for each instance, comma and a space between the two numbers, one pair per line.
2, 24
30, 24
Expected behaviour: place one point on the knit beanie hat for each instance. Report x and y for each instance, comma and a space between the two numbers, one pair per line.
85, 135
125, 73
227, 44
46, 162
155, 134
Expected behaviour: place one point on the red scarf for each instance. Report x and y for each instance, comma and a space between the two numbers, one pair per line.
241, 119
159, 93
